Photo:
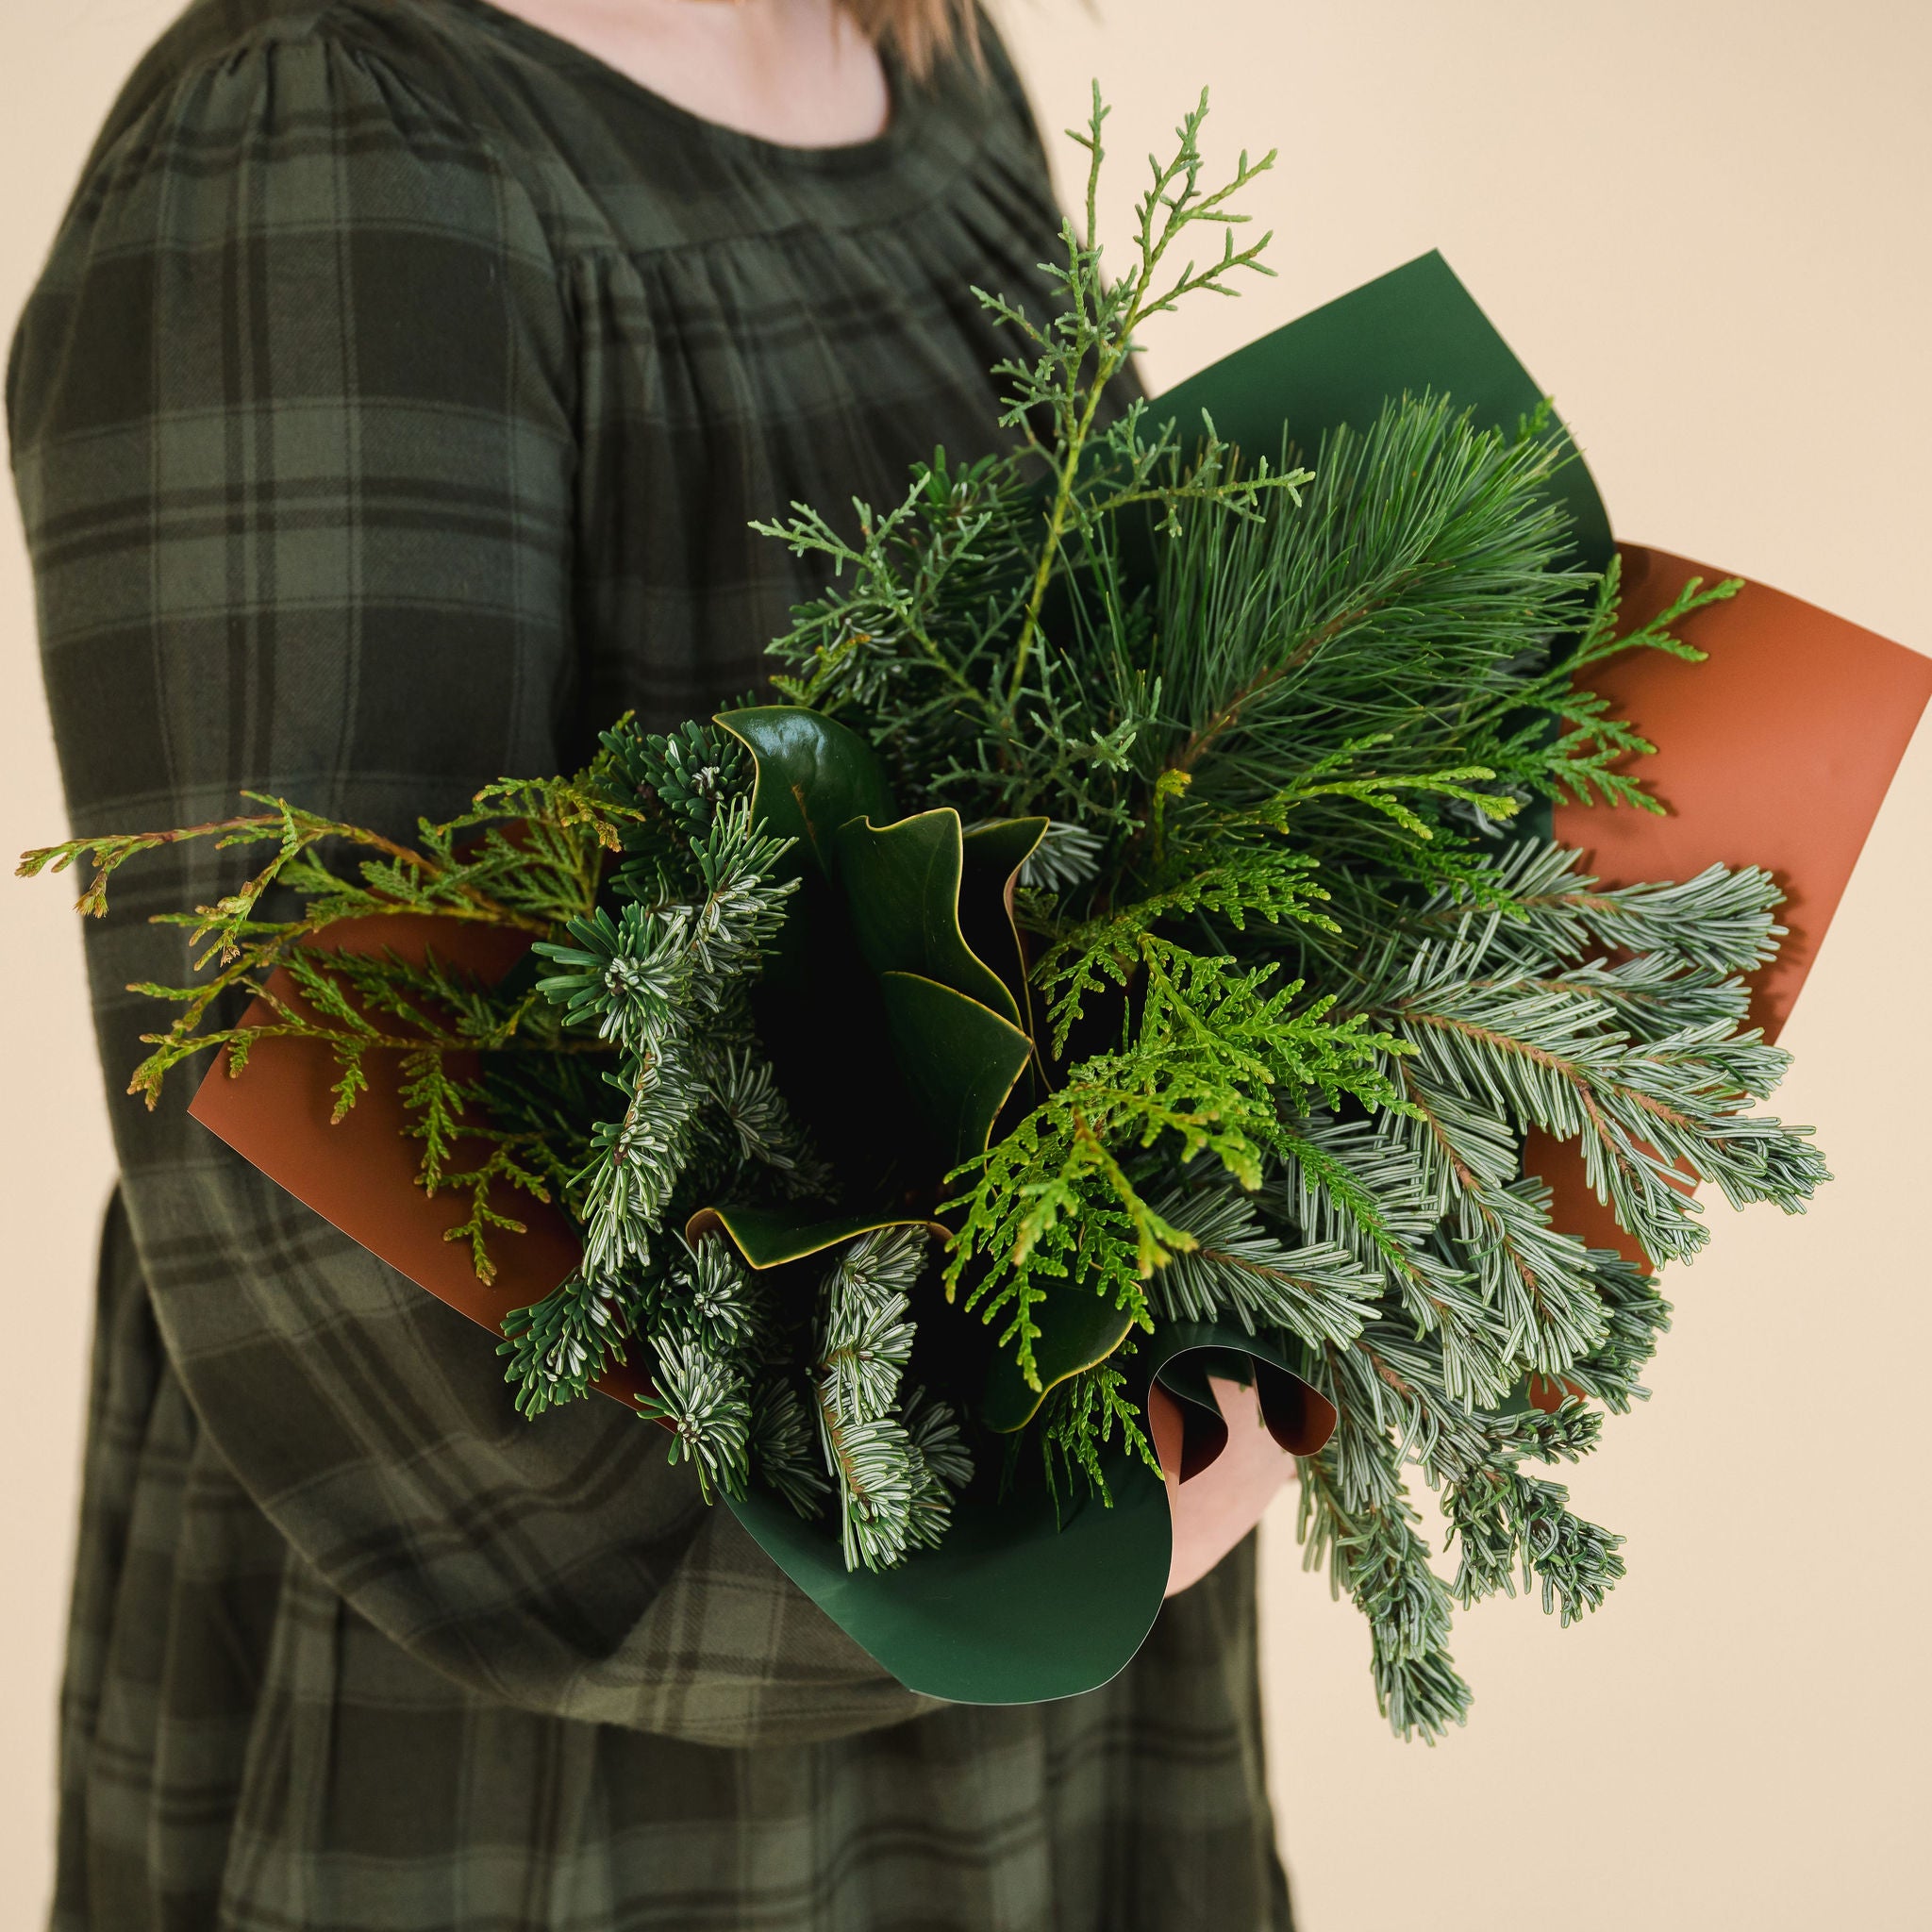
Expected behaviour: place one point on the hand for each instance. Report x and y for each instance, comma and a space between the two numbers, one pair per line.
1218, 1505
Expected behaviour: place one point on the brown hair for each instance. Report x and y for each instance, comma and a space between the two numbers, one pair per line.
920, 31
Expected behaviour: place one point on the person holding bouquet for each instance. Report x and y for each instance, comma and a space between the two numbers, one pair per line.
388, 418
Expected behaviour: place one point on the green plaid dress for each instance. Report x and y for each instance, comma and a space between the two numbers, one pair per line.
388, 418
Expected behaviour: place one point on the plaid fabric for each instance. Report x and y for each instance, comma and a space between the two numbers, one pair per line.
389, 417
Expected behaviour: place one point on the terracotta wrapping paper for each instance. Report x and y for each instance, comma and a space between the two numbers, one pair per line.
1777, 751
359, 1173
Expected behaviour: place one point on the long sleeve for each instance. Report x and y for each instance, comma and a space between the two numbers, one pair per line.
293, 428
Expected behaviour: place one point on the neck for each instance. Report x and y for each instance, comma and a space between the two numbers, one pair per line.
797, 72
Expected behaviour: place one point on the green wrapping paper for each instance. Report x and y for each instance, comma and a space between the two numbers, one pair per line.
1018, 1605
1416, 328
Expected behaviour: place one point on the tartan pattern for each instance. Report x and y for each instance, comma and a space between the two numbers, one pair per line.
388, 416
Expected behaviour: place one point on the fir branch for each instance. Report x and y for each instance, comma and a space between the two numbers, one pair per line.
708, 1296
560, 1346
1371, 1548
894, 1454
638, 1158
1506, 1521
942, 1466
783, 1449
1648, 1111
1236, 1269
1635, 1316
705, 1402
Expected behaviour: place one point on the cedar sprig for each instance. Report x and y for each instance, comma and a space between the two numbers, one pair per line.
1077, 1423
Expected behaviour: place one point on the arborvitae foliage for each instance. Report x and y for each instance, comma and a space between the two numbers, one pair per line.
1302, 985
1081, 1417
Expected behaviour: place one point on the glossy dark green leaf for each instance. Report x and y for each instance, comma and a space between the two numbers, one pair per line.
1299, 1417
771, 1237
814, 775
958, 1061
902, 886
1077, 1330
992, 856
882, 896
1186, 1379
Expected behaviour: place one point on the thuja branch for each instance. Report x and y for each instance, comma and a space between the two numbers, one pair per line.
1100, 322
297, 832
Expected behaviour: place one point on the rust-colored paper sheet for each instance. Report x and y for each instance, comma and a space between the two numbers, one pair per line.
1777, 751
359, 1175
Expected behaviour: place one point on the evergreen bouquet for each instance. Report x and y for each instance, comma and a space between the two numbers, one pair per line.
1134, 944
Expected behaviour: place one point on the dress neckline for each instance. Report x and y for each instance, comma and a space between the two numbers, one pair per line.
906, 103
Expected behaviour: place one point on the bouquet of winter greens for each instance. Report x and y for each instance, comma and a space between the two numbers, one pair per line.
1135, 930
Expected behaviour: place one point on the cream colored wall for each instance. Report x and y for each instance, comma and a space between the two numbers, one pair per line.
1706, 227
60, 66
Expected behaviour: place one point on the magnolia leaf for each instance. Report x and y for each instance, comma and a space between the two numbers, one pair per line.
902, 886
1076, 1331
814, 775
959, 1061
771, 1237
895, 1040
992, 855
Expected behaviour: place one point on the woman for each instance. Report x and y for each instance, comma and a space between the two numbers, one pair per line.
390, 416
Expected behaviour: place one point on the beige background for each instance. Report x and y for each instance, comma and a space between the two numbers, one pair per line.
1705, 225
